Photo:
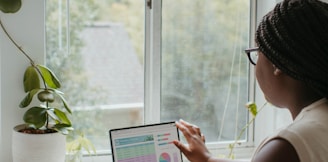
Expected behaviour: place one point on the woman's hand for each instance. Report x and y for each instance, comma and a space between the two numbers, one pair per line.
196, 150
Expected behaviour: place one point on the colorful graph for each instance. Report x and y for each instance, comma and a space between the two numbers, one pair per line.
164, 157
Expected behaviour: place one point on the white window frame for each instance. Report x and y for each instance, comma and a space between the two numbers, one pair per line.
153, 77
152, 61
27, 27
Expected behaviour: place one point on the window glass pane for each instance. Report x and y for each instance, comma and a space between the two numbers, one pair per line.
96, 48
204, 68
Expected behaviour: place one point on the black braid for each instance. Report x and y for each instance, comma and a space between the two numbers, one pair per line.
294, 37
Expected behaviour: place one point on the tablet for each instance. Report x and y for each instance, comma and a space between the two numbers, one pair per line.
145, 143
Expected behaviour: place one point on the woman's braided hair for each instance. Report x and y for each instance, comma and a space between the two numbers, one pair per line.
294, 37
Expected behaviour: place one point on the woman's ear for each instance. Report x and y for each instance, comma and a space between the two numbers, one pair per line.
276, 71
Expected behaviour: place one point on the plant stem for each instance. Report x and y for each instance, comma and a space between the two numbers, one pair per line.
23, 52
13, 41
47, 116
232, 146
239, 136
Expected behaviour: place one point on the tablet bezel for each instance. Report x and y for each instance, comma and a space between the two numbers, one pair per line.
141, 126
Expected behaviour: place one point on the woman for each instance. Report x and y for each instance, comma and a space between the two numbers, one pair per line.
292, 71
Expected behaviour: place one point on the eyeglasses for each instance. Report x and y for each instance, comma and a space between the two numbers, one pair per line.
252, 54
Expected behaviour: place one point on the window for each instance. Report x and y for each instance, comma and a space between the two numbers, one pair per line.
204, 71
192, 52
96, 48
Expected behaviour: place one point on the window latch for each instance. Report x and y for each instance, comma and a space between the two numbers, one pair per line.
149, 3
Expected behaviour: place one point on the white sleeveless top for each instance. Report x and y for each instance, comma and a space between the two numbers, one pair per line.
308, 133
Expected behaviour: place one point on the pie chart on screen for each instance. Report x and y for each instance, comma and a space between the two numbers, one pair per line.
164, 157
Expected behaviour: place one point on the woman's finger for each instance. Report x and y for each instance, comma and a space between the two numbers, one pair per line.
192, 128
184, 149
203, 137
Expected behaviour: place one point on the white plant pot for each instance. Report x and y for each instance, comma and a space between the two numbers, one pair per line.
38, 147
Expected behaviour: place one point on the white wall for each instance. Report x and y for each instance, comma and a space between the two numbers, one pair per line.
27, 28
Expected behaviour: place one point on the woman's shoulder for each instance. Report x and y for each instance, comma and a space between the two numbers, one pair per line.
276, 149
308, 135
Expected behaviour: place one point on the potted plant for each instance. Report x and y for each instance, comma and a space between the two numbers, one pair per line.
41, 82
42, 135
46, 122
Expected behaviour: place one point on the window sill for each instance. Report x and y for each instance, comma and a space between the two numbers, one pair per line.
240, 153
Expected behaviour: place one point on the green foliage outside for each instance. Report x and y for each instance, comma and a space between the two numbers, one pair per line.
204, 65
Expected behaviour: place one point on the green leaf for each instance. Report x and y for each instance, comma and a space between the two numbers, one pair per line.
31, 79
73, 146
62, 118
252, 108
63, 128
46, 96
87, 145
52, 114
64, 102
10, 6
231, 146
28, 98
36, 116
79, 143
49, 77
57, 91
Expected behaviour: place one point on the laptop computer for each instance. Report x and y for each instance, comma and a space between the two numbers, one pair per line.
145, 143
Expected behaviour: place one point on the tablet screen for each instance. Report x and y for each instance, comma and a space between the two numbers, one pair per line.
146, 143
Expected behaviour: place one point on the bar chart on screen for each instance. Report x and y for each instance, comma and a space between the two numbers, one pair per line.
136, 149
